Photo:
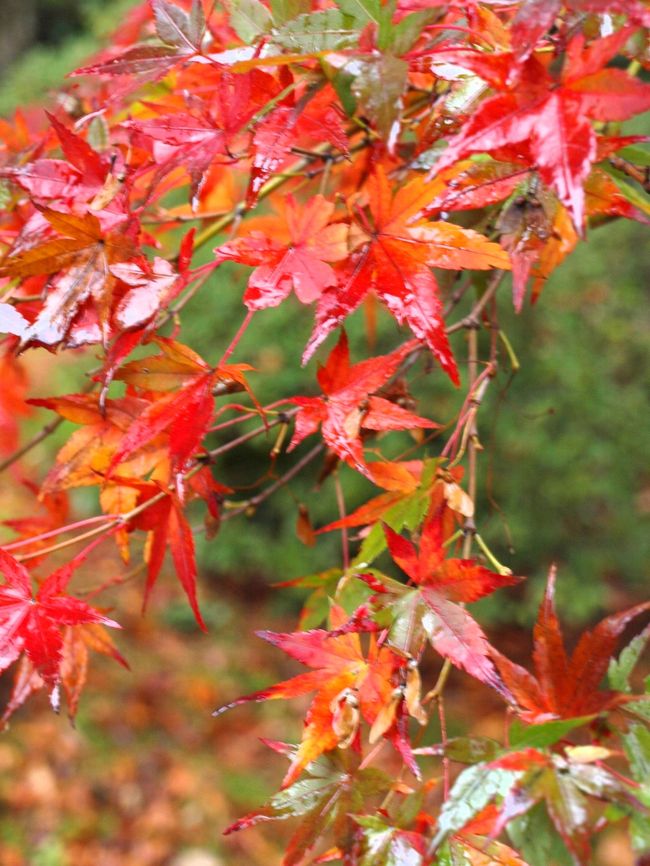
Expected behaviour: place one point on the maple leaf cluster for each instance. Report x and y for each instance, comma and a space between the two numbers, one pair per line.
398, 161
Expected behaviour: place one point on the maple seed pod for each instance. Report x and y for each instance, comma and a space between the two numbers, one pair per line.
413, 692
386, 716
458, 500
345, 717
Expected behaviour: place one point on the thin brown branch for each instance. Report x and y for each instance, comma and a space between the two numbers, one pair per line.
27, 447
252, 504
635, 172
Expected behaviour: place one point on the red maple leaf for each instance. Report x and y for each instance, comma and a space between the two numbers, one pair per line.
180, 33
168, 528
33, 623
312, 120
289, 253
535, 17
79, 259
442, 583
199, 133
83, 177
347, 683
395, 259
73, 668
563, 687
349, 405
184, 413
552, 115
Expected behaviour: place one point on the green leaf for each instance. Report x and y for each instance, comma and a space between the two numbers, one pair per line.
385, 845
379, 86
406, 620
534, 836
472, 791
341, 81
285, 10
620, 669
640, 833
633, 194
639, 708
98, 135
351, 593
407, 514
176, 27
546, 734
363, 11
302, 796
317, 31
636, 155
386, 31
375, 541
249, 19
197, 22
472, 750
407, 31
636, 743
465, 750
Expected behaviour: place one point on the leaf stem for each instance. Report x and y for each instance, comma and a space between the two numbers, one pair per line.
70, 527
494, 562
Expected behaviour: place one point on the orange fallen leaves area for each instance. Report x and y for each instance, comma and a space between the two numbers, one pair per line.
147, 777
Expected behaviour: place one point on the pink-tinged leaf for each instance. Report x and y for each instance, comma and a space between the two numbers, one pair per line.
457, 636
310, 417
12, 322
15, 573
316, 648
496, 69
26, 681
584, 59
152, 60
151, 289
400, 739
533, 20
478, 185
300, 263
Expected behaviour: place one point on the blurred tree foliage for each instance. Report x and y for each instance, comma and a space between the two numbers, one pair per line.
65, 32
569, 479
